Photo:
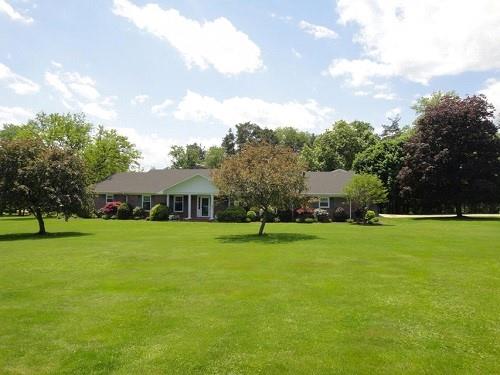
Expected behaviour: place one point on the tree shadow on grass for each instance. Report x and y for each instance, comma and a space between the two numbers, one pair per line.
271, 238
16, 218
35, 236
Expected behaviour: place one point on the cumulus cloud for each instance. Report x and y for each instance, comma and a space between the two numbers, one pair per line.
492, 92
139, 99
319, 32
14, 115
14, 15
392, 113
154, 147
420, 40
305, 115
161, 109
17, 83
214, 43
79, 92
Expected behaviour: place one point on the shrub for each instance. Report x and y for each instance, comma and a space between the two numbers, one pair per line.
173, 217
248, 220
285, 216
308, 220
371, 217
124, 211
321, 215
252, 215
305, 212
113, 217
339, 215
105, 217
232, 215
299, 220
110, 208
159, 212
138, 213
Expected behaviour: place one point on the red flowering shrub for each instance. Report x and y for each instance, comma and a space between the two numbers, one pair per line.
304, 212
110, 208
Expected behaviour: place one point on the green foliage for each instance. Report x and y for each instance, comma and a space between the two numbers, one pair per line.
308, 220
321, 215
371, 217
159, 212
366, 190
189, 157
229, 143
338, 147
124, 211
138, 212
427, 102
42, 179
339, 215
293, 138
232, 214
214, 157
249, 133
252, 215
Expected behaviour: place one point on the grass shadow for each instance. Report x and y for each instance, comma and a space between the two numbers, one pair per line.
271, 238
35, 236
16, 218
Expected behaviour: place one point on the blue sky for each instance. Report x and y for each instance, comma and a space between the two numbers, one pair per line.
170, 72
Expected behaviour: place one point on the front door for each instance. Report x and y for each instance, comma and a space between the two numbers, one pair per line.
203, 207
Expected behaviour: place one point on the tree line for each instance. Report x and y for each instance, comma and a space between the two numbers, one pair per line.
447, 159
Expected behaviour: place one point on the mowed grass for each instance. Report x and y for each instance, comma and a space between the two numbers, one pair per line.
128, 297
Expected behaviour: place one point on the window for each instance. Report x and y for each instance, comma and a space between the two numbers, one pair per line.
324, 202
146, 202
179, 203
110, 198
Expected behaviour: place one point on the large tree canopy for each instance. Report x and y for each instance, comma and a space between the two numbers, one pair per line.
338, 147
262, 175
105, 152
42, 179
454, 156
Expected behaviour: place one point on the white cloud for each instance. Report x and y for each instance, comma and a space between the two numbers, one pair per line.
392, 113
139, 99
214, 43
14, 115
6, 8
161, 109
79, 92
307, 115
17, 83
319, 32
358, 72
296, 53
155, 148
492, 92
423, 39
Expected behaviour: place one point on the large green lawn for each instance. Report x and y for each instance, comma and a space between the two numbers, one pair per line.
408, 297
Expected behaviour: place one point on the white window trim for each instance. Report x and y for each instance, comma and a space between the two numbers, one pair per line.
182, 200
142, 200
112, 198
327, 203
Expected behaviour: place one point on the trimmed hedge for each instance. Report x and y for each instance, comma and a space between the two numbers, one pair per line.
232, 215
339, 215
124, 211
159, 212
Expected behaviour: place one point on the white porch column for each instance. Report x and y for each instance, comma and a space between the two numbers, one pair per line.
168, 200
189, 206
212, 203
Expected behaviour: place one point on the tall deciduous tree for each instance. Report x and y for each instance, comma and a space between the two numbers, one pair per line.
338, 147
40, 178
384, 160
190, 157
366, 190
454, 156
262, 175
293, 138
109, 153
252, 133
214, 157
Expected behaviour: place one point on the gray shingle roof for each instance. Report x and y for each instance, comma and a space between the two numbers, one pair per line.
155, 181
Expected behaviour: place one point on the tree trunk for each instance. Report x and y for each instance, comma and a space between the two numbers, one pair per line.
41, 224
458, 209
263, 223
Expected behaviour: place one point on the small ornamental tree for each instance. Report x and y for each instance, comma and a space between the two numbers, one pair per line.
262, 175
42, 179
365, 190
